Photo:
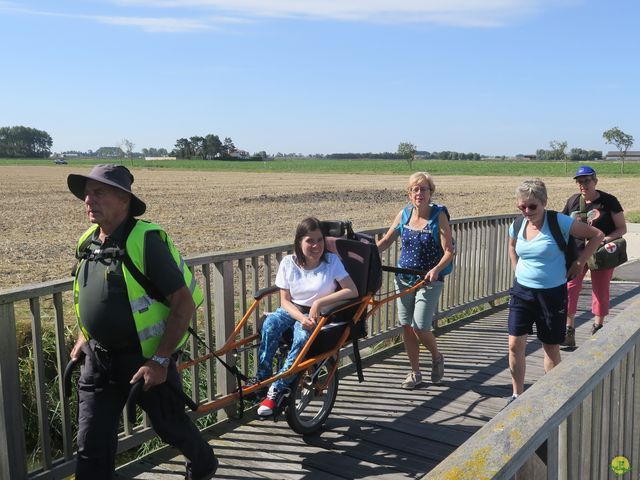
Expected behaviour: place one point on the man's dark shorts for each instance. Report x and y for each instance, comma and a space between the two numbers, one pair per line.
546, 307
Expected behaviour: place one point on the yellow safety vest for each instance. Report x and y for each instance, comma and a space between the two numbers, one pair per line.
149, 314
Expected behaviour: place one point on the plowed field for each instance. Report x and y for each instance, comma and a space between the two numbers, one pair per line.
209, 211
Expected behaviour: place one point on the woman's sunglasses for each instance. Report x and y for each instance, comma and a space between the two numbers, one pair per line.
531, 207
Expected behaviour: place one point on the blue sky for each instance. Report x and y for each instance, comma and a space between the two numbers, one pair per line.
321, 76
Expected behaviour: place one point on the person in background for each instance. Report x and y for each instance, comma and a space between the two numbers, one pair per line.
307, 281
126, 336
420, 251
603, 211
539, 292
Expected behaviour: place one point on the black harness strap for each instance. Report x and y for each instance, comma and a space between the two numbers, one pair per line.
356, 351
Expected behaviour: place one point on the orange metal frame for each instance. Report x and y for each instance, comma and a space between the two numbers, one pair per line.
301, 363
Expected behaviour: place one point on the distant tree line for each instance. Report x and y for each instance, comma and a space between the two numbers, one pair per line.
24, 142
575, 155
448, 155
207, 147
383, 155
419, 154
155, 152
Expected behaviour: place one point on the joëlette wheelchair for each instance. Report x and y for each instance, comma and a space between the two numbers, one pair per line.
314, 390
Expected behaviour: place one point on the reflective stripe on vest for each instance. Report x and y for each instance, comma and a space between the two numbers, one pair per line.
148, 314
143, 303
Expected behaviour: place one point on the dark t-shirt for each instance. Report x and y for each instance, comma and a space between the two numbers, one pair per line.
599, 212
103, 301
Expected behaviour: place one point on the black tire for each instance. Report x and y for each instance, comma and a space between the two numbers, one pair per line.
312, 397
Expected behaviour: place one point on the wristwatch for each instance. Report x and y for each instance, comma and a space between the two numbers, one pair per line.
162, 361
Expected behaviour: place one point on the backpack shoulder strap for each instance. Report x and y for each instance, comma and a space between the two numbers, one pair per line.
140, 277
517, 225
554, 226
434, 221
406, 217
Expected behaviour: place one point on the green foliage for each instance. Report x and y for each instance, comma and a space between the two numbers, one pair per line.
632, 216
52, 397
558, 149
617, 137
621, 140
110, 153
408, 151
581, 155
24, 142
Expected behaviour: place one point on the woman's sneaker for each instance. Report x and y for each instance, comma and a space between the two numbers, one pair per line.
412, 381
570, 338
595, 327
510, 401
273, 401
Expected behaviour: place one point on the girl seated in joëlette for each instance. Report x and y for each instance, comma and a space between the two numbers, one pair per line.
307, 281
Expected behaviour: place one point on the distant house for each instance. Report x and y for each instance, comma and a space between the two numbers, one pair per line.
240, 154
631, 155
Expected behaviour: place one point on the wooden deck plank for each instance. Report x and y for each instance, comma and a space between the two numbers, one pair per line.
377, 429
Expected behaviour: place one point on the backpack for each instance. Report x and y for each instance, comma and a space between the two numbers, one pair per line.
435, 230
567, 247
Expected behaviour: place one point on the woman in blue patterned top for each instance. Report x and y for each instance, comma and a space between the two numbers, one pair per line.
419, 250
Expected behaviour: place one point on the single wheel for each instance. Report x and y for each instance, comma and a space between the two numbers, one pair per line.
312, 397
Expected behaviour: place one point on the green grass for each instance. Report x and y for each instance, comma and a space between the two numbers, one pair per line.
362, 166
632, 216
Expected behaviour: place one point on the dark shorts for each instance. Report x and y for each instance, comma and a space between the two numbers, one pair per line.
546, 307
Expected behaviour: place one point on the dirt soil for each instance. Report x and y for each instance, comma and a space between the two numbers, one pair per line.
211, 211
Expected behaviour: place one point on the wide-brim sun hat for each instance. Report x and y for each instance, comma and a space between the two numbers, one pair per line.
585, 171
117, 176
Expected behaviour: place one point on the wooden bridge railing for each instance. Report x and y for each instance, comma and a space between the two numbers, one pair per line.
581, 416
41, 316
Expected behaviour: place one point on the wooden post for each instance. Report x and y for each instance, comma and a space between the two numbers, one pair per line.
13, 452
224, 324
492, 257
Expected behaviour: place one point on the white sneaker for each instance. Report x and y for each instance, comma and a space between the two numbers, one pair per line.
412, 381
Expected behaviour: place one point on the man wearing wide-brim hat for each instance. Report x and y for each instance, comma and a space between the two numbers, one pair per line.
134, 299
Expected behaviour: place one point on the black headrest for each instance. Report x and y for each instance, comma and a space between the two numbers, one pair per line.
336, 228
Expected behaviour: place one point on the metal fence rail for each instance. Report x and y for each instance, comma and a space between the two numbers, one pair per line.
44, 313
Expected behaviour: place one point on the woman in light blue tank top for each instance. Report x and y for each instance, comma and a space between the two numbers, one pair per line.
539, 292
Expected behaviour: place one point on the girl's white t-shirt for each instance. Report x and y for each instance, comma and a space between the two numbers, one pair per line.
306, 286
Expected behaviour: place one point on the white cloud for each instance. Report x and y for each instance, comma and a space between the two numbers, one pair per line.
148, 24
211, 14
449, 12
170, 25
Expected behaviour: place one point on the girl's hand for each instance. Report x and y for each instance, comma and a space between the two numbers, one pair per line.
314, 311
308, 323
